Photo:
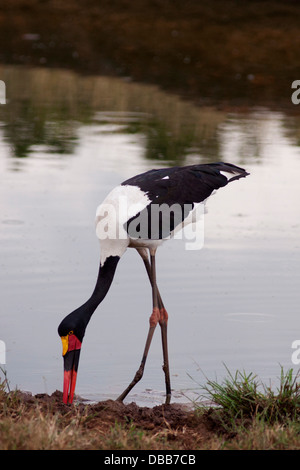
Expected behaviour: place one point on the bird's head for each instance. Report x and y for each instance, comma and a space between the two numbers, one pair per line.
73, 326
71, 334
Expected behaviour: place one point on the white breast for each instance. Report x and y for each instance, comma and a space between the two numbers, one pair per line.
122, 203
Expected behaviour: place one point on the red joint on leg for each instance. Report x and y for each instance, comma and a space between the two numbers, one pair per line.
163, 316
155, 316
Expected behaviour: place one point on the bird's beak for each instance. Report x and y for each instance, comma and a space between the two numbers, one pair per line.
71, 352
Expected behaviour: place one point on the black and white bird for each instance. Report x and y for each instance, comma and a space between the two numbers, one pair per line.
125, 220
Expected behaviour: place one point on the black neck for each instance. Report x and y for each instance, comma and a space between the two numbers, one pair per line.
104, 280
79, 318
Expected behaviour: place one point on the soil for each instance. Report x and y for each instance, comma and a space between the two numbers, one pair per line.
182, 427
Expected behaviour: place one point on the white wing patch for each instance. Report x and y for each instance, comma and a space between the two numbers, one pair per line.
127, 200
229, 175
122, 203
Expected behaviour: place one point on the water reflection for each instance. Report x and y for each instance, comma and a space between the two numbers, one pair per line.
72, 139
47, 108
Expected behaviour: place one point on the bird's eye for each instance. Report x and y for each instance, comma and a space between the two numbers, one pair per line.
71, 333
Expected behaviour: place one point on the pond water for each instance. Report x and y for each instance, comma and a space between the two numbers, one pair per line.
65, 142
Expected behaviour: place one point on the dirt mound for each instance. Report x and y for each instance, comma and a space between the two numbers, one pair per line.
179, 424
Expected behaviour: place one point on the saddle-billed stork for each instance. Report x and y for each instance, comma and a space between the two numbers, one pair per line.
118, 226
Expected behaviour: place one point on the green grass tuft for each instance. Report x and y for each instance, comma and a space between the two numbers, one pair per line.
242, 396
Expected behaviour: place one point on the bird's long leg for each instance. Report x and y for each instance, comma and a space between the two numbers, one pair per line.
148, 269
154, 319
163, 322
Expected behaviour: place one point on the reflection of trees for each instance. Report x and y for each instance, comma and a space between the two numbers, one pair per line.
46, 107
27, 126
163, 144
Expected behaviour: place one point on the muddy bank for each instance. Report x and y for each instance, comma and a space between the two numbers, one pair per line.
162, 427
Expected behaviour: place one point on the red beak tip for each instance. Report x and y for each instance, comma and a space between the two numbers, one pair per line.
69, 386
71, 360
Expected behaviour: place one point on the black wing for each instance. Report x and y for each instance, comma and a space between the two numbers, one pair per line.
179, 188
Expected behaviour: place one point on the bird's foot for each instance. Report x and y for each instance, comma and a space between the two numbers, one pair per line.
168, 399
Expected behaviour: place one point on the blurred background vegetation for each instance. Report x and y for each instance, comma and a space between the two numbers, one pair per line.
233, 52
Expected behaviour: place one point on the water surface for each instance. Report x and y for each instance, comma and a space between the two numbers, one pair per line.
65, 142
